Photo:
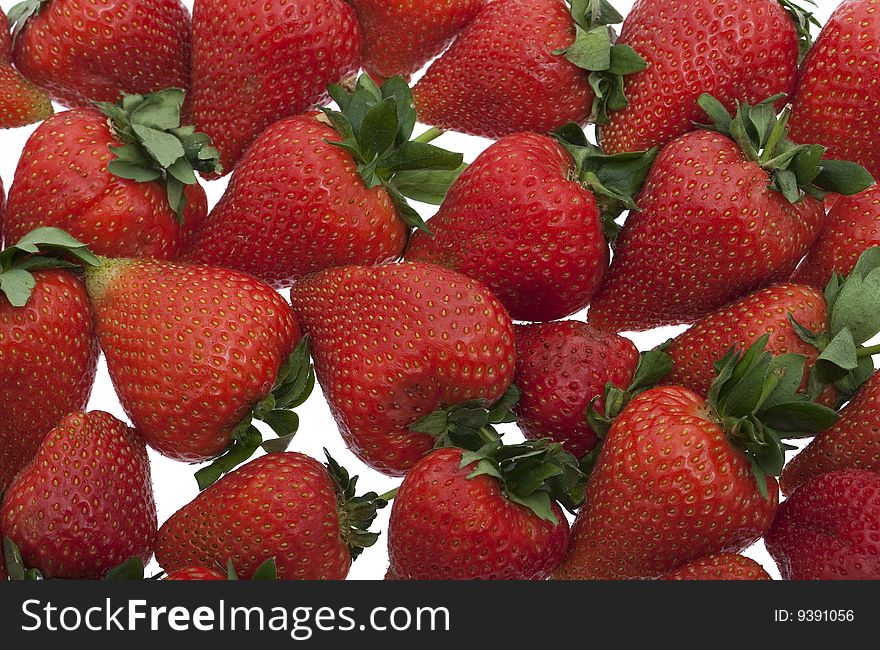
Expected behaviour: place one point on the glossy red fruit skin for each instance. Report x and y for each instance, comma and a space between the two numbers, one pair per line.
724, 566
94, 50
256, 62
248, 516
191, 350
296, 205
709, 231
85, 504
48, 359
500, 76
560, 368
515, 221
400, 37
853, 442
668, 488
852, 227
445, 526
827, 529
837, 99
62, 180
394, 343
744, 50
195, 573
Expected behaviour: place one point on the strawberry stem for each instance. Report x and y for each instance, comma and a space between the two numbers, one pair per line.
431, 134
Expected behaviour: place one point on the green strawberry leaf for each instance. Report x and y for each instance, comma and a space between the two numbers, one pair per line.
133, 569
359, 511
426, 185
804, 21
14, 562
268, 570
21, 13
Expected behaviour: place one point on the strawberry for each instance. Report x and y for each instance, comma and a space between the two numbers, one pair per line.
735, 50
528, 65
256, 62
526, 218
48, 348
397, 343
196, 573
718, 219
97, 50
311, 193
827, 529
195, 354
837, 99
85, 503
680, 477
247, 516
562, 370
124, 185
467, 516
400, 37
852, 226
724, 566
21, 102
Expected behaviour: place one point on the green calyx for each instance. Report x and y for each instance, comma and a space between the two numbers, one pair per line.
804, 21
755, 397
39, 250
132, 569
15, 567
293, 385
594, 50
844, 361
155, 145
267, 570
614, 180
20, 13
356, 513
376, 125
796, 170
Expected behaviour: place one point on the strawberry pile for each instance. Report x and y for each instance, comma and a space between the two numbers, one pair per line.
482, 356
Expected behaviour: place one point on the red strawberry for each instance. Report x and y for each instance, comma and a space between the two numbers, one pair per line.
724, 566
680, 477
459, 516
195, 353
285, 506
48, 349
396, 343
96, 50
527, 65
255, 62
735, 50
718, 220
119, 185
827, 529
852, 226
308, 196
85, 504
21, 102
837, 99
526, 218
400, 37
196, 573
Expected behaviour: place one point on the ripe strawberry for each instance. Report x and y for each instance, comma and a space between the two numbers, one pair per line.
85, 503
837, 100
735, 50
852, 226
396, 343
256, 62
311, 194
528, 65
526, 218
48, 348
123, 185
400, 37
196, 573
827, 529
97, 50
195, 353
21, 102
467, 516
680, 477
718, 220
247, 516
724, 566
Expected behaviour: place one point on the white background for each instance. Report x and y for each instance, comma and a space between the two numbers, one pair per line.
174, 483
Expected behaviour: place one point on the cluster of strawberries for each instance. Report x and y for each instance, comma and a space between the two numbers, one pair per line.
742, 153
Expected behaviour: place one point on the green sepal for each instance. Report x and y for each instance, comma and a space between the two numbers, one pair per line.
804, 21
267, 571
41, 249
156, 147
293, 385
132, 569
356, 513
21, 13
15, 567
